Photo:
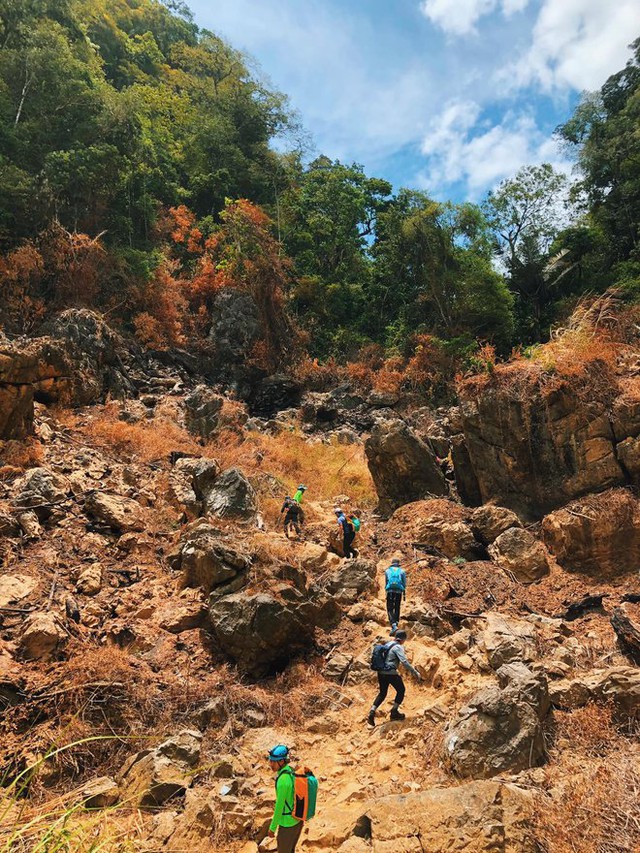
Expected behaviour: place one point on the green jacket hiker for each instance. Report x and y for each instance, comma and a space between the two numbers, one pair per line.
287, 827
284, 800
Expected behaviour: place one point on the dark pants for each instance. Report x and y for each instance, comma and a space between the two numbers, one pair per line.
386, 680
288, 837
394, 600
349, 536
291, 520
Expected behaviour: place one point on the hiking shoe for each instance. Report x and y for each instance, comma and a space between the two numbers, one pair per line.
396, 715
371, 719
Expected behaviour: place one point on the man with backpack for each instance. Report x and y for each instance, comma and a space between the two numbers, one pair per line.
395, 585
295, 799
348, 533
293, 517
385, 660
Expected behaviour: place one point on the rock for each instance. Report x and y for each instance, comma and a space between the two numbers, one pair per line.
152, 777
599, 537
8, 524
100, 793
536, 440
189, 482
178, 616
263, 631
625, 621
465, 476
520, 553
489, 521
403, 467
41, 637
315, 558
351, 581
207, 561
14, 588
476, 817
29, 524
40, 490
236, 326
337, 667
618, 685
121, 514
439, 524
500, 729
273, 394
232, 495
90, 580
507, 640
16, 410
202, 409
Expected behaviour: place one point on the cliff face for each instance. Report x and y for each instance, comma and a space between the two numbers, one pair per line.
536, 442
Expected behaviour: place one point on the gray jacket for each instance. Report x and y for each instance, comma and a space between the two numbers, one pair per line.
395, 657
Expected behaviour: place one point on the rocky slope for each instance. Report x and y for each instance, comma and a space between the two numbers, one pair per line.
158, 633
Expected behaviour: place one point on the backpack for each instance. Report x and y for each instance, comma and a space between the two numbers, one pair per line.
305, 791
290, 504
356, 524
394, 579
379, 655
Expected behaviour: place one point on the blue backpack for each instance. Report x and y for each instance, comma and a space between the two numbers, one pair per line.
394, 579
379, 655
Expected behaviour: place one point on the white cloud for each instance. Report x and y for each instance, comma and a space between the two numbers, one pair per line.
459, 17
461, 149
576, 44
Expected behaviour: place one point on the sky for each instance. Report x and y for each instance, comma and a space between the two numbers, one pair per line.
448, 96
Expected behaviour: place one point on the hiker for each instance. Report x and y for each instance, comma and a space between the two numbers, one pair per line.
395, 585
293, 517
298, 499
348, 533
385, 660
295, 795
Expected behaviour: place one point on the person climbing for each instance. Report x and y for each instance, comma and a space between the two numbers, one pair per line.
298, 499
283, 822
293, 518
348, 533
389, 656
395, 585
296, 795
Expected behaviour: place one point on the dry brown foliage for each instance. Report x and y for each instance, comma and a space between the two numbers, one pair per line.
17, 456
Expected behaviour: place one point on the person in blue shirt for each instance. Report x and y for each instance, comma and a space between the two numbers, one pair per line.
395, 586
348, 533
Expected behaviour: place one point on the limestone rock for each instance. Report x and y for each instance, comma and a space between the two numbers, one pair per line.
41, 637
273, 394
235, 327
507, 640
207, 561
40, 490
500, 729
619, 685
440, 524
600, 537
476, 817
261, 632
489, 521
337, 667
465, 476
90, 580
189, 481
315, 558
14, 588
232, 495
403, 467
520, 553
121, 514
152, 777
100, 793
351, 581
202, 409
8, 524
178, 616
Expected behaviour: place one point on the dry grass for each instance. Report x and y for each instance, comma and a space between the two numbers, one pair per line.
17, 456
593, 778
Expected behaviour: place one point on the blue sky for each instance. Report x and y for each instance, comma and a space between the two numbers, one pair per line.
450, 96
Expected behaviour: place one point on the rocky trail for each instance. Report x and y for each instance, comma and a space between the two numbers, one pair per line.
159, 633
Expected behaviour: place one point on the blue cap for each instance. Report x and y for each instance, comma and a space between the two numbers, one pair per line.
279, 753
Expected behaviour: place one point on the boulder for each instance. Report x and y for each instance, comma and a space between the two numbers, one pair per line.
337, 667
121, 514
351, 581
90, 580
100, 793
315, 558
507, 640
40, 490
232, 495
273, 394
618, 686
261, 632
235, 327
519, 552
438, 524
202, 409
489, 521
14, 588
151, 777
476, 817
598, 536
537, 440
500, 729
41, 637
190, 480
465, 476
403, 467
207, 560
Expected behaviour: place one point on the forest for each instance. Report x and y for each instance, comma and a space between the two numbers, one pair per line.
145, 167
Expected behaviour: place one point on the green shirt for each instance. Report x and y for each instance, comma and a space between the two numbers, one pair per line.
298, 496
284, 800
